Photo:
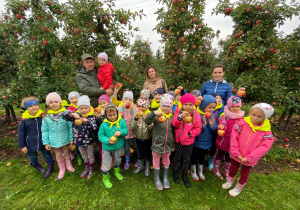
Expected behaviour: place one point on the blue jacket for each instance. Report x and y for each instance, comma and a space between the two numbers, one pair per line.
57, 134
204, 139
222, 88
218, 112
30, 134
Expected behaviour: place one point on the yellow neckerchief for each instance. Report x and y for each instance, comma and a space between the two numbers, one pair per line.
50, 111
199, 111
27, 115
175, 102
64, 103
154, 104
166, 115
100, 107
222, 114
121, 103
266, 126
219, 106
112, 123
91, 112
147, 111
74, 105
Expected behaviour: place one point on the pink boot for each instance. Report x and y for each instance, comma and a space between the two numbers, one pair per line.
62, 169
229, 183
217, 167
72, 155
226, 169
237, 190
69, 165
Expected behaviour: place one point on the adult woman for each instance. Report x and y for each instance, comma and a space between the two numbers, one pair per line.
153, 81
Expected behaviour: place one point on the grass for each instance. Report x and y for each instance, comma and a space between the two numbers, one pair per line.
22, 187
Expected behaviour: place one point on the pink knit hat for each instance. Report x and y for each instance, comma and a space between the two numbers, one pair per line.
188, 98
104, 56
53, 97
234, 101
104, 98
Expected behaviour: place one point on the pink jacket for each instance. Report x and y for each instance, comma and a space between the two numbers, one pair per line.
181, 132
127, 115
249, 144
223, 143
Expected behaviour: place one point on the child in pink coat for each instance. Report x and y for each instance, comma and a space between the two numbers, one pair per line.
187, 123
232, 115
251, 139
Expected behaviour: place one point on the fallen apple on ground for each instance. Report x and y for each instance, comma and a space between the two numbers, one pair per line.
9, 164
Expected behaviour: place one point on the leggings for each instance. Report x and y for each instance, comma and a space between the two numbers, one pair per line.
144, 148
87, 153
185, 151
127, 148
60, 151
245, 171
198, 155
221, 154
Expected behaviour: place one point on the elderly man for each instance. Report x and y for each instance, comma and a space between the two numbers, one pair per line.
88, 82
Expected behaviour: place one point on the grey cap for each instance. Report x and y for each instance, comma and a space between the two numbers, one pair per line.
83, 100
85, 56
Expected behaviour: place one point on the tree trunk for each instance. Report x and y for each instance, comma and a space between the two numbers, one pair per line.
288, 119
13, 114
7, 114
282, 117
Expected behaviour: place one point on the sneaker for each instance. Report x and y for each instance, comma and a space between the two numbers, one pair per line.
226, 185
126, 165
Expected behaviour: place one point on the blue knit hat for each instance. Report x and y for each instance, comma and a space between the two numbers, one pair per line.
207, 99
159, 91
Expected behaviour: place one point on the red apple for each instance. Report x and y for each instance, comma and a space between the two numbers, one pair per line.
241, 93
18, 16
273, 67
181, 9
286, 139
70, 51
234, 90
273, 103
177, 92
78, 122
221, 133
23, 61
72, 147
286, 145
131, 81
181, 39
247, 10
257, 7
194, 19
13, 131
97, 109
127, 106
188, 119
257, 22
197, 102
207, 114
237, 35
161, 118
118, 85
76, 30
45, 42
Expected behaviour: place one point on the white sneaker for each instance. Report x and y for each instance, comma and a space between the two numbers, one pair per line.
226, 185
234, 192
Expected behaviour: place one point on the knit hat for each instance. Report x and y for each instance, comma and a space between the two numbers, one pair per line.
215, 95
188, 98
196, 93
53, 97
234, 101
128, 94
159, 91
266, 108
73, 94
83, 100
143, 102
146, 92
207, 99
104, 98
172, 93
103, 55
166, 100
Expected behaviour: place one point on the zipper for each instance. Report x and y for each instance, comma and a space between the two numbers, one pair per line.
37, 126
247, 142
222, 140
142, 129
57, 133
166, 136
216, 87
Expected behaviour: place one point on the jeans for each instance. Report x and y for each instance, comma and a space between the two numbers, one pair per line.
33, 156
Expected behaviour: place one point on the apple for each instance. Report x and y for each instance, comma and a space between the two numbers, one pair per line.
247, 10
234, 90
47, 30
286, 145
257, 22
197, 102
194, 19
70, 51
256, 68
76, 30
181, 9
241, 93
18, 16
113, 138
287, 139
45, 42
9, 164
140, 113
124, 22
207, 114
188, 119
177, 92
97, 109
257, 7
72, 147
273, 103
118, 85
127, 106
181, 39
273, 67
78, 122
13, 131
161, 118
131, 81
194, 46
23, 61
49, 3
221, 133
174, 1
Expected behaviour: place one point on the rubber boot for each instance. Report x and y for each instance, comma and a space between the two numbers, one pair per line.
237, 190
229, 183
140, 166
91, 170
49, 170
157, 181
106, 181
62, 169
165, 178
185, 179
38, 167
147, 168
217, 168
69, 165
200, 172
226, 169
210, 163
86, 171
117, 173
127, 163
72, 155
79, 159
194, 173
175, 176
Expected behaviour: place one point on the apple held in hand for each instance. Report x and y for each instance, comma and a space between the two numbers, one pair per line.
188, 119
72, 147
161, 118
221, 133
241, 93
197, 102
207, 114
113, 139
98, 110
127, 106
118, 85
78, 122
177, 92
140, 113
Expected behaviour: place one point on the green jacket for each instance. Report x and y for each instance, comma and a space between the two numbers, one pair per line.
89, 85
141, 129
105, 132
162, 136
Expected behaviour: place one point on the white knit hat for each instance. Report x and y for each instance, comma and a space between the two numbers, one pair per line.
83, 100
128, 94
266, 108
73, 94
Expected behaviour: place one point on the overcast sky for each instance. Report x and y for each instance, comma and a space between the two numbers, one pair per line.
220, 22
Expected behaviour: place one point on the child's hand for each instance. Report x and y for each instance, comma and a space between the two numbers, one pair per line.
135, 115
240, 158
112, 142
221, 127
24, 150
157, 112
204, 122
102, 88
144, 116
118, 133
211, 121
180, 87
71, 143
48, 147
184, 114
245, 160
116, 91
124, 106
97, 115
84, 120
131, 107
75, 115
241, 89
173, 149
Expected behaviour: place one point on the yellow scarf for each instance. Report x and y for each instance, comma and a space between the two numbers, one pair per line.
222, 114
175, 102
199, 111
91, 112
74, 105
147, 111
266, 126
154, 104
64, 103
115, 122
166, 115
27, 115
50, 111
219, 106
100, 107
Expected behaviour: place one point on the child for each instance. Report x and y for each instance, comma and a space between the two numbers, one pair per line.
73, 98
251, 139
83, 134
30, 136
204, 140
127, 114
185, 133
143, 134
233, 115
162, 139
105, 71
111, 134
145, 93
57, 133
155, 103
172, 93
219, 108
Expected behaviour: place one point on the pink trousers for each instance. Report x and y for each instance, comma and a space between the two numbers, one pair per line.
165, 159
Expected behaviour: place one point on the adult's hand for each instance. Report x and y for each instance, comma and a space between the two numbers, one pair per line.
109, 92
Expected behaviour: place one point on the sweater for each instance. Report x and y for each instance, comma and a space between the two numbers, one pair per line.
105, 75
152, 85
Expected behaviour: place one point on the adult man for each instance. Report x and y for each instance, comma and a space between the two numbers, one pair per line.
88, 82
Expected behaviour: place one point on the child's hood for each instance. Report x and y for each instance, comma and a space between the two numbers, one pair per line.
207, 99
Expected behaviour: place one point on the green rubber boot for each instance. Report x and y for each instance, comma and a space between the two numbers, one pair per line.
117, 174
106, 181
79, 159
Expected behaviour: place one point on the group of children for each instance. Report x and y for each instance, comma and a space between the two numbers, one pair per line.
156, 127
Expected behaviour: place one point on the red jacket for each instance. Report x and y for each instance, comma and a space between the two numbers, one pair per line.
105, 74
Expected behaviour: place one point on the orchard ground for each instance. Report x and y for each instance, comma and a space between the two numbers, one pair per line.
274, 182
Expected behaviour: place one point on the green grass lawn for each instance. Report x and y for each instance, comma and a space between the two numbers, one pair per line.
22, 187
